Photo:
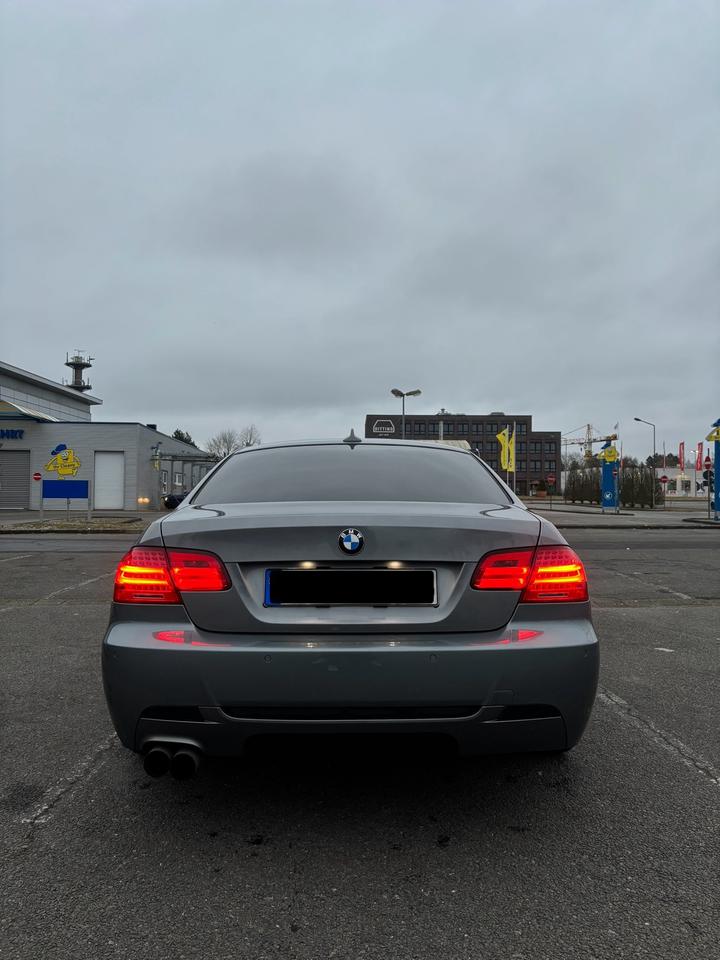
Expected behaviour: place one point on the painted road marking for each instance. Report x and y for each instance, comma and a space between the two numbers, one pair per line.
55, 593
659, 737
656, 586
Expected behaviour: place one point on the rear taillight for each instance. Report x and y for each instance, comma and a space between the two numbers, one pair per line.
155, 575
505, 570
558, 576
552, 575
197, 571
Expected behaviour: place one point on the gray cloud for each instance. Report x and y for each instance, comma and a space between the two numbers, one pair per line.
294, 210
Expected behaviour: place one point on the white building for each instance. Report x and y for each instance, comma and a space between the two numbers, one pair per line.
49, 445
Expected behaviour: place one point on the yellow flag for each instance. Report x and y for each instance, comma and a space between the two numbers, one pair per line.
507, 450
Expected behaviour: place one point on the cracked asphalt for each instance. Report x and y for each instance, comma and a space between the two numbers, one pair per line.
610, 851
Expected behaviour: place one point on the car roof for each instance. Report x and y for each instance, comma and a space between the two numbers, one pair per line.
371, 441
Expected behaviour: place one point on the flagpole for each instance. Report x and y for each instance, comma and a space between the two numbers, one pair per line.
514, 449
507, 456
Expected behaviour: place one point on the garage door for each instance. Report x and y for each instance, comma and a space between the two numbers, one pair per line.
109, 486
14, 479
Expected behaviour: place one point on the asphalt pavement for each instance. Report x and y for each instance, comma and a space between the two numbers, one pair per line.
609, 851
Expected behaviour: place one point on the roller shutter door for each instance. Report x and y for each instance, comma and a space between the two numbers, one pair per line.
14, 479
109, 486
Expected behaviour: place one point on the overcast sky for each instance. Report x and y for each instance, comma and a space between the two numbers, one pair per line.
275, 212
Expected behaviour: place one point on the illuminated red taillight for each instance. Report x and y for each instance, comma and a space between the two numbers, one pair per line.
558, 576
155, 575
143, 576
504, 570
192, 570
552, 575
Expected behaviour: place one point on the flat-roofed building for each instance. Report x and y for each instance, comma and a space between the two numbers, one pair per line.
537, 452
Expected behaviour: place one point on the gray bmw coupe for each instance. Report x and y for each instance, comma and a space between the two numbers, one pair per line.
346, 586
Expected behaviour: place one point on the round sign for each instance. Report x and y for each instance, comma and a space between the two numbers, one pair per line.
663, 479
37, 476
550, 478
708, 463
615, 473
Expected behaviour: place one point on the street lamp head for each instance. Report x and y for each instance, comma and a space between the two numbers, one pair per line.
413, 393
397, 393
638, 419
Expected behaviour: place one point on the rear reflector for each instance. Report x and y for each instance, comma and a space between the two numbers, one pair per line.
553, 575
151, 575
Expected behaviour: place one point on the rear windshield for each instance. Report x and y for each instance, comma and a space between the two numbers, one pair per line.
342, 472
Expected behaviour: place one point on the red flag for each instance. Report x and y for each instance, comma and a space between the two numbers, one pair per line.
699, 457
681, 457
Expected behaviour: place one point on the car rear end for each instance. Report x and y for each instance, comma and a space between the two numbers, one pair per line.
239, 616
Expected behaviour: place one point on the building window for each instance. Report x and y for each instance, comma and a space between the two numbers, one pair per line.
448, 427
463, 428
491, 446
535, 466
478, 445
419, 426
493, 464
434, 428
177, 479
477, 427
522, 428
550, 446
535, 446
521, 446
549, 466
520, 466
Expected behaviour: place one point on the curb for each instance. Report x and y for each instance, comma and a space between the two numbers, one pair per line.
630, 526
73, 533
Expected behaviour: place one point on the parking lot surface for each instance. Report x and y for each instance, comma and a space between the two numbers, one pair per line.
339, 852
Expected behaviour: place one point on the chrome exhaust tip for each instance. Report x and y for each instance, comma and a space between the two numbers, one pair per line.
157, 761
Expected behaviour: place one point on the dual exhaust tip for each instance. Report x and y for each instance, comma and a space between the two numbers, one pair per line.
182, 763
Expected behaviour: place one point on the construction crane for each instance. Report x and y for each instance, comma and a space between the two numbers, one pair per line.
591, 437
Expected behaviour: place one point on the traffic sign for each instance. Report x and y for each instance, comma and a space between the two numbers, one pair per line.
664, 479
37, 476
615, 472
550, 478
708, 463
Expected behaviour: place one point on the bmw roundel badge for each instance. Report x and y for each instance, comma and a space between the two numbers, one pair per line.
351, 541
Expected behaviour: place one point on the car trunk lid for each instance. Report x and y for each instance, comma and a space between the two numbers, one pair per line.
446, 538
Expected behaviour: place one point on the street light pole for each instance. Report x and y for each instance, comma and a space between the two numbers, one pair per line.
402, 394
640, 420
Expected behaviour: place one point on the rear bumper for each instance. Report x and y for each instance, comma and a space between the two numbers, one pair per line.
492, 692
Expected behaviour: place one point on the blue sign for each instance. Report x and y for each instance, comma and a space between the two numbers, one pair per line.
609, 493
65, 489
12, 434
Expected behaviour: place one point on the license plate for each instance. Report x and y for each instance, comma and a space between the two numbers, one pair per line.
350, 588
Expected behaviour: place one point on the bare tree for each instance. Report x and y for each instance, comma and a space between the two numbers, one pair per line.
228, 441
223, 444
249, 436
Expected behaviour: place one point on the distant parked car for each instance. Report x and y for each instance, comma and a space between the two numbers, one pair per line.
172, 500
